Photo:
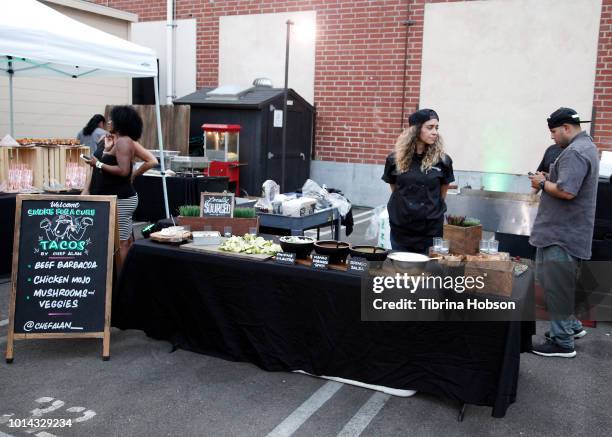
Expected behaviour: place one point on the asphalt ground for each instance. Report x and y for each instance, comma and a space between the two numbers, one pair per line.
147, 390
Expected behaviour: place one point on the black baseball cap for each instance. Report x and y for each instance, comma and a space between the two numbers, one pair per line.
422, 116
562, 116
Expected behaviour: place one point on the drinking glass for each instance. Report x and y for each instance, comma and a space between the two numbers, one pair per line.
493, 246
484, 246
253, 230
227, 231
437, 244
445, 246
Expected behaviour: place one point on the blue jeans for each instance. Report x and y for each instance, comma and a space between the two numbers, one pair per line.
557, 272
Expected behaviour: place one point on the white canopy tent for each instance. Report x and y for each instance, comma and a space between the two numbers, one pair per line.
36, 40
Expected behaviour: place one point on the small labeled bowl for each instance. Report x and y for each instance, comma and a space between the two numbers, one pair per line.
337, 250
300, 245
371, 253
409, 262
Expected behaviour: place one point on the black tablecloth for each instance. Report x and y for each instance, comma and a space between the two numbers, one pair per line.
285, 318
7, 226
181, 191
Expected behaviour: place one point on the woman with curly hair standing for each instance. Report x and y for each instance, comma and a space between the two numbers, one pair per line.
418, 172
112, 172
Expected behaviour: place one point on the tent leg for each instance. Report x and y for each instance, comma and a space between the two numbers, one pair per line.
160, 142
11, 103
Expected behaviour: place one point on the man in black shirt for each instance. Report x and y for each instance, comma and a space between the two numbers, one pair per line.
550, 156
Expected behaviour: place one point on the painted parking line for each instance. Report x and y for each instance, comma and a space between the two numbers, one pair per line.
301, 414
361, 214
364, 416
4, 322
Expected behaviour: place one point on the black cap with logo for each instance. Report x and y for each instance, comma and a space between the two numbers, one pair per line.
564, 116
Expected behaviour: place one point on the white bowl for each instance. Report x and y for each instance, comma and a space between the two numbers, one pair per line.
410, 261
297, 239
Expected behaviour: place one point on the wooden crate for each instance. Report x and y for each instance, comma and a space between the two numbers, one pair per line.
240, 226
30, 156
463, 240
498, 273
55, 159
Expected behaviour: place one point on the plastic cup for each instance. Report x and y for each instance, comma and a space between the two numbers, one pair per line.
227, 231
253, 230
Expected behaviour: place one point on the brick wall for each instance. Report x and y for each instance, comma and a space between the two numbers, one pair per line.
359, 71
603, 81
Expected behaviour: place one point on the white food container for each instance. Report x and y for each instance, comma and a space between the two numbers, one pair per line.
299, 207
206, 238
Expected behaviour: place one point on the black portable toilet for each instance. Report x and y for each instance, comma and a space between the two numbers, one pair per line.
258, 110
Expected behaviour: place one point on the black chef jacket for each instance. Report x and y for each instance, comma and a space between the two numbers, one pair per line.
416, 207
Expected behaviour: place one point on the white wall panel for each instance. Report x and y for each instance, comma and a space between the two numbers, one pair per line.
252, 46
494, 70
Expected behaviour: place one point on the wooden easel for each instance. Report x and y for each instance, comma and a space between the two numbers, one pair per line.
112, 238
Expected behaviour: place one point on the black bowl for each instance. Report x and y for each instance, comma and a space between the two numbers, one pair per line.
301, 246
337, 250
371, 253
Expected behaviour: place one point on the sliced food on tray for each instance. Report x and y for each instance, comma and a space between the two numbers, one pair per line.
250, 244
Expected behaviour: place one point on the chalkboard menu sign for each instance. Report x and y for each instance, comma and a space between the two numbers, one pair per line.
320, 262
285, 258
217, 205
358, 265
62, 268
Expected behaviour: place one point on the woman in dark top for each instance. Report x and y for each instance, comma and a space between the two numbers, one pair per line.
419, 173
112, 169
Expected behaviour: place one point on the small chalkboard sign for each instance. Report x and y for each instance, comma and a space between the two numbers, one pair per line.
217, 205
62, 268
285, 258
358, 265
320, 262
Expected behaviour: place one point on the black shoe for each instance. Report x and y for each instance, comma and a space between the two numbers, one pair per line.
551, 349
578, 333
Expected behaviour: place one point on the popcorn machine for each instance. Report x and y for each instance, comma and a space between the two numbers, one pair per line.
221, 148
221, 142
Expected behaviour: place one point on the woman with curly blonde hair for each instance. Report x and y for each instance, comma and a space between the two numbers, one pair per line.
418, 172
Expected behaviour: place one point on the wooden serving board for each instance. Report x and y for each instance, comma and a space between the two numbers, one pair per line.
215, 249
308, 263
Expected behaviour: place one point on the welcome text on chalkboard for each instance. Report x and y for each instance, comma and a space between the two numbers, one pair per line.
62, 268
217, 205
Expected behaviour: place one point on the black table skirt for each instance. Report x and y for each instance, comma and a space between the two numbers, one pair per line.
7, 226
285, 318
181, 191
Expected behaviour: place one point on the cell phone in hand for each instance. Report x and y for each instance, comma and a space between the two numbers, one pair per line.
85, 157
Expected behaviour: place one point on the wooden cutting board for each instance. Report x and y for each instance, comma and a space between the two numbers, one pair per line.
215, 249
